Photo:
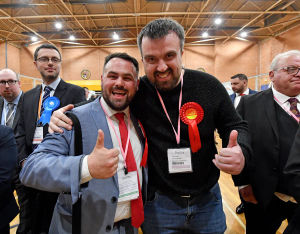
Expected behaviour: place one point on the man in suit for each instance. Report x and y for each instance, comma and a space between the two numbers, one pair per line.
273, 118
239, 85
293, 172
11, 98
105, 205
8, 161
36, 213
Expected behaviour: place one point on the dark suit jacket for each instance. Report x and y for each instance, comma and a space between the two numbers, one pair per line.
259, 111
17, 114
293, 168
65, 92
8, 159
232, 96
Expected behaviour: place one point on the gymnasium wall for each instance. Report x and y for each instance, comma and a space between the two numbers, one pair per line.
221, 59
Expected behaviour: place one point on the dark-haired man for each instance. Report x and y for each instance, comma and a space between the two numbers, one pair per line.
184, 195
37, 206
239, 85
112, 201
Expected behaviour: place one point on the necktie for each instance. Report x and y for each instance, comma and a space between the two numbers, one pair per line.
137, 210
47, 91
9, 114
293, 108
242, 94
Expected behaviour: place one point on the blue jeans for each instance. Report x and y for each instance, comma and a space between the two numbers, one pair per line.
183, 215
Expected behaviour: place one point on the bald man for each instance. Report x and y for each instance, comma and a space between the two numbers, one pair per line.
11, 94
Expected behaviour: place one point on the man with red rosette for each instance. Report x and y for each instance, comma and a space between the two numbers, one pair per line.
180, 110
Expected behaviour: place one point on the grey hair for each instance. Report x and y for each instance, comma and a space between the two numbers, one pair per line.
281, 56
160, 28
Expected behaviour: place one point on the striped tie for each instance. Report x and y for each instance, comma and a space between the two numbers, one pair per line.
9, 115
293, 108
47, 91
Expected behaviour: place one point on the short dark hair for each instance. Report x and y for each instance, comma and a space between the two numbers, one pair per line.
125, 57
45, 46
160, 28
240, 76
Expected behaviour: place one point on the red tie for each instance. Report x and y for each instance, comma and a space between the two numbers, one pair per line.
242, 94
137, 210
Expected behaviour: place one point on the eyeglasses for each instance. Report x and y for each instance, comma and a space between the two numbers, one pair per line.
9, 82
46, 60
290, 70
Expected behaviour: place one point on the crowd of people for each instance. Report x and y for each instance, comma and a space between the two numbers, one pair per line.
143, 155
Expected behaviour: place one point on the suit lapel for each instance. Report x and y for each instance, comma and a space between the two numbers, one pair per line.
269, 108
60, 90
17, 115
100, 122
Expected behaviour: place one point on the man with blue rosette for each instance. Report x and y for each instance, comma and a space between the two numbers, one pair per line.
36, 207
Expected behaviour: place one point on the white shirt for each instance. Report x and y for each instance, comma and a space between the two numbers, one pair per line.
123, 208
283, 100
238, 97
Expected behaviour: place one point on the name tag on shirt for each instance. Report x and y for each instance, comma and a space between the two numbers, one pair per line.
38, 136
128, 186
179, 160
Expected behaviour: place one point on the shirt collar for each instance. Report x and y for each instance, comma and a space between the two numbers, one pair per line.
282, 97
53, 85
111, 112
246, 92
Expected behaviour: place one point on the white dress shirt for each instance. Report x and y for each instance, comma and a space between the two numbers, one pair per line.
123, 208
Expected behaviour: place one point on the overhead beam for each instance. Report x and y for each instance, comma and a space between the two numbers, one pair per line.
150, 14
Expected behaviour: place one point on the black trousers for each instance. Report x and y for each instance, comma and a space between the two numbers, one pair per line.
294, 224
5, 229
36, 209
268, 220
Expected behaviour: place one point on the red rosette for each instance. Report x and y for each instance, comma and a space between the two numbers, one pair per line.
191, 113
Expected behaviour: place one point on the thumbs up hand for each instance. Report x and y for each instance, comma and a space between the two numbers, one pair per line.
231, 159
102, 162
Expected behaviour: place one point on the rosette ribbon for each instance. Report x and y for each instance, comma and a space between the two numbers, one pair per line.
191, 113
50, 104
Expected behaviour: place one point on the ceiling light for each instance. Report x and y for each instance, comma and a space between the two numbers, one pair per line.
218, 21
72, 38
205, 34
116, 36
34, 38
58, 25
244, 34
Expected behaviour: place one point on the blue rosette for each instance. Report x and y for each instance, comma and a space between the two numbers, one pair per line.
50, 104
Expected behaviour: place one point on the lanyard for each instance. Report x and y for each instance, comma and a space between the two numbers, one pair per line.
177, 134
124, 154
287, 110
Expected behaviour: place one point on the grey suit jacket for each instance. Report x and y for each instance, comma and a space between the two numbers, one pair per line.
17, 114
52, 167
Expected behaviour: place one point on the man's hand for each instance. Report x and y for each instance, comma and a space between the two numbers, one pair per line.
247, 194
60, 120
102, 162
231, 159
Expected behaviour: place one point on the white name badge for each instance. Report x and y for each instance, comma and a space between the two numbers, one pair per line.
128, 186
38, 136
180, 160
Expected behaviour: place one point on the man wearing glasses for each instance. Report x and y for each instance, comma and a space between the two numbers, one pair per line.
11, 94
273, 117
37, 206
